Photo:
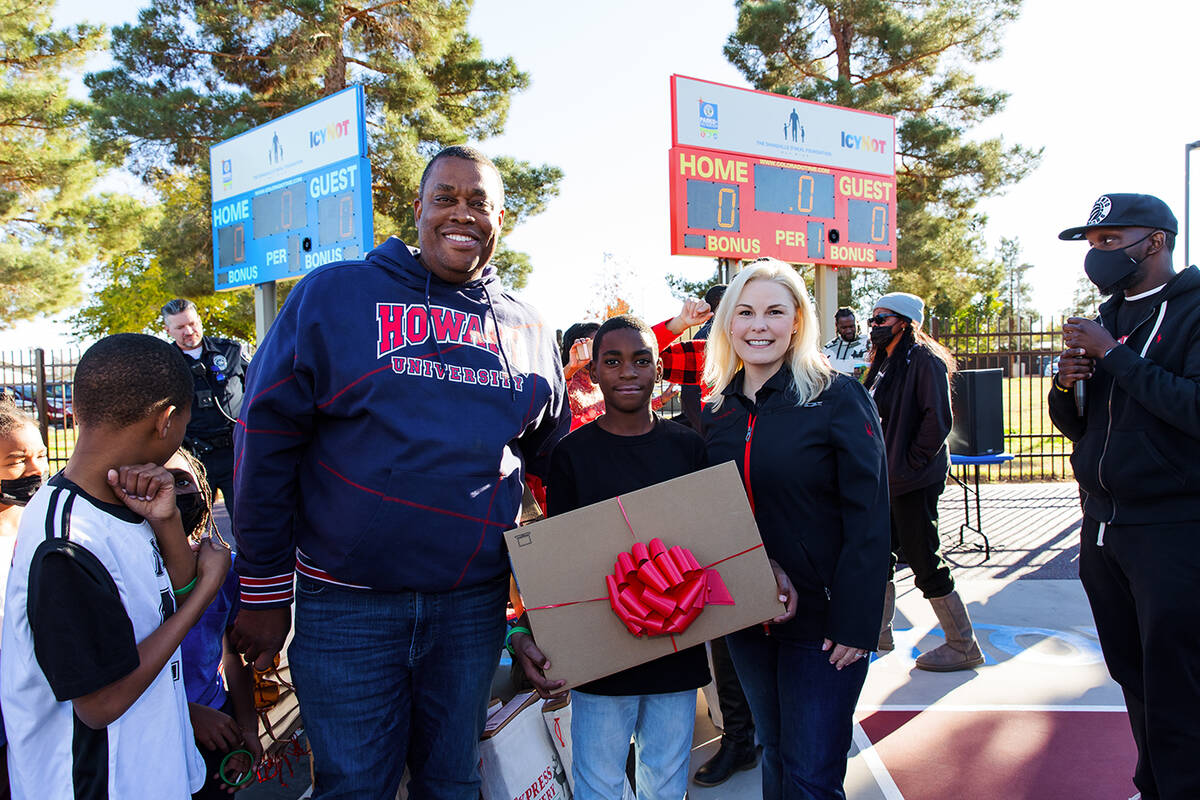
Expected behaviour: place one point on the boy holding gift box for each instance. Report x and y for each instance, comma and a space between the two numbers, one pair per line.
626, 449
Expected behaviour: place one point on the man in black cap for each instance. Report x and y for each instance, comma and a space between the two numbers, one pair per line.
1136, 429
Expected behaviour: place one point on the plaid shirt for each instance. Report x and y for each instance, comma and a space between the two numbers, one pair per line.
682, 362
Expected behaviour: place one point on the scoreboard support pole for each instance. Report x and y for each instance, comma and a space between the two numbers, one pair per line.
265, 305
826, 298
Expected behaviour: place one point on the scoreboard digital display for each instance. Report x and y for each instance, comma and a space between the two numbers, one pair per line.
740, 206
293, 194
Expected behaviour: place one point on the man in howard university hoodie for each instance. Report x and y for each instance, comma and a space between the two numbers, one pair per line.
390, 416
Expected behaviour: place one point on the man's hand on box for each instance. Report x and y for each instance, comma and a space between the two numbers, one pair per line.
534, 664
787, 593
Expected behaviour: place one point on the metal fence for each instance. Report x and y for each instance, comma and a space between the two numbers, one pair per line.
40, 382
1026, 350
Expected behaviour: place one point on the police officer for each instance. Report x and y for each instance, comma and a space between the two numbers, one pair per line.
1136, 429
219, 372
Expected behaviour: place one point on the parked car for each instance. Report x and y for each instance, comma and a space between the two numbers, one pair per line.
24, 395
60, 410
1052, 368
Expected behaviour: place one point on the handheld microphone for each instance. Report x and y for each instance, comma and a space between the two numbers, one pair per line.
1080, 396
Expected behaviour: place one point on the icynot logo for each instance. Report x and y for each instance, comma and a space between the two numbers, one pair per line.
334, 130
852, 141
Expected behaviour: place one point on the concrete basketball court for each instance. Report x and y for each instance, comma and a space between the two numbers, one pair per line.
1040, 719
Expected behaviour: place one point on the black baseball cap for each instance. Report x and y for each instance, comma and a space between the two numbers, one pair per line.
1126, 211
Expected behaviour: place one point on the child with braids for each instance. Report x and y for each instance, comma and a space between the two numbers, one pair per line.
218, 683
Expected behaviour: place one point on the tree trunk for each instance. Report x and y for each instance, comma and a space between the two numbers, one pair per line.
335, 73
842, 30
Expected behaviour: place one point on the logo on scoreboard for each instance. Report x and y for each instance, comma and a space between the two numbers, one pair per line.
331, 132
852, 141
227, 173
708, 120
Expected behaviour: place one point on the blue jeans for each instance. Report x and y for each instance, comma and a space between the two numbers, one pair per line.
803, 710
386, 677
661, 727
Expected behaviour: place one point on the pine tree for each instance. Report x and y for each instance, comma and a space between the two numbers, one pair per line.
1016, 295
191, 73
910, 60
1085, 299
52, 223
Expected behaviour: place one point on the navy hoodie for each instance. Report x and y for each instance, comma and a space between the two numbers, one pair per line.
387, 429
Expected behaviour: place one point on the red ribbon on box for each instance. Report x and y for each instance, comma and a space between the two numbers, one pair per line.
656, 591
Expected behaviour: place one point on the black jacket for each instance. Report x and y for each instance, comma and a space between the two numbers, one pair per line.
816, 478
219, 377
916, 421
1136, 447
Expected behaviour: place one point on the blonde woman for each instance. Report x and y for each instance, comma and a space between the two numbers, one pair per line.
808, 445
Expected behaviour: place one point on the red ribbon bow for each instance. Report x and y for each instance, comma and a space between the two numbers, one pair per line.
657, 591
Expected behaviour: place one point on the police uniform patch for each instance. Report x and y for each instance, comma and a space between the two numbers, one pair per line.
1100, 210
219, 363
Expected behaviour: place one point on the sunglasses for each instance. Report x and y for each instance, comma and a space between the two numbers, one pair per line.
879, 319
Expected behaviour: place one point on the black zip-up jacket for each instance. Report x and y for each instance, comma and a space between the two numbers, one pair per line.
1137, 442
219, 376
816, 478
916, 422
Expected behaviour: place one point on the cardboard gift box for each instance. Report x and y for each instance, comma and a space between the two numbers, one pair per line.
562, 566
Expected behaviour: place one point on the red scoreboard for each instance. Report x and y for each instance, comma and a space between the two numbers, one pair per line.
737, 206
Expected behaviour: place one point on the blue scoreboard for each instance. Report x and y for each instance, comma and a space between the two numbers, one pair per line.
292, 194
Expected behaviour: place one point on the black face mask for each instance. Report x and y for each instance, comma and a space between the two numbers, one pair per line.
18, 491
1107, 268
192, 509
881, 335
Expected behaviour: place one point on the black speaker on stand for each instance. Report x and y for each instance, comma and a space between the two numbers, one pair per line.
976, 401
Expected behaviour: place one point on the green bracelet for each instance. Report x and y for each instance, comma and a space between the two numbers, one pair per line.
511, 631
244, 779
181, 592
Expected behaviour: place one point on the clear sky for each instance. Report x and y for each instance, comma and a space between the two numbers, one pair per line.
1103, 86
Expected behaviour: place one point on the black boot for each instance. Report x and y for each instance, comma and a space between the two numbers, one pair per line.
728, 760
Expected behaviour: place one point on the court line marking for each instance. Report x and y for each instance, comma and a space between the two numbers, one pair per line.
883, 778
989, 707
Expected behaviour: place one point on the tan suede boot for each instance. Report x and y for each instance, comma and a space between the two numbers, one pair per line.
886, 643
960, 651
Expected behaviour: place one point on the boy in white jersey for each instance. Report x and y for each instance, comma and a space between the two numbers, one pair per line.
102, 590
